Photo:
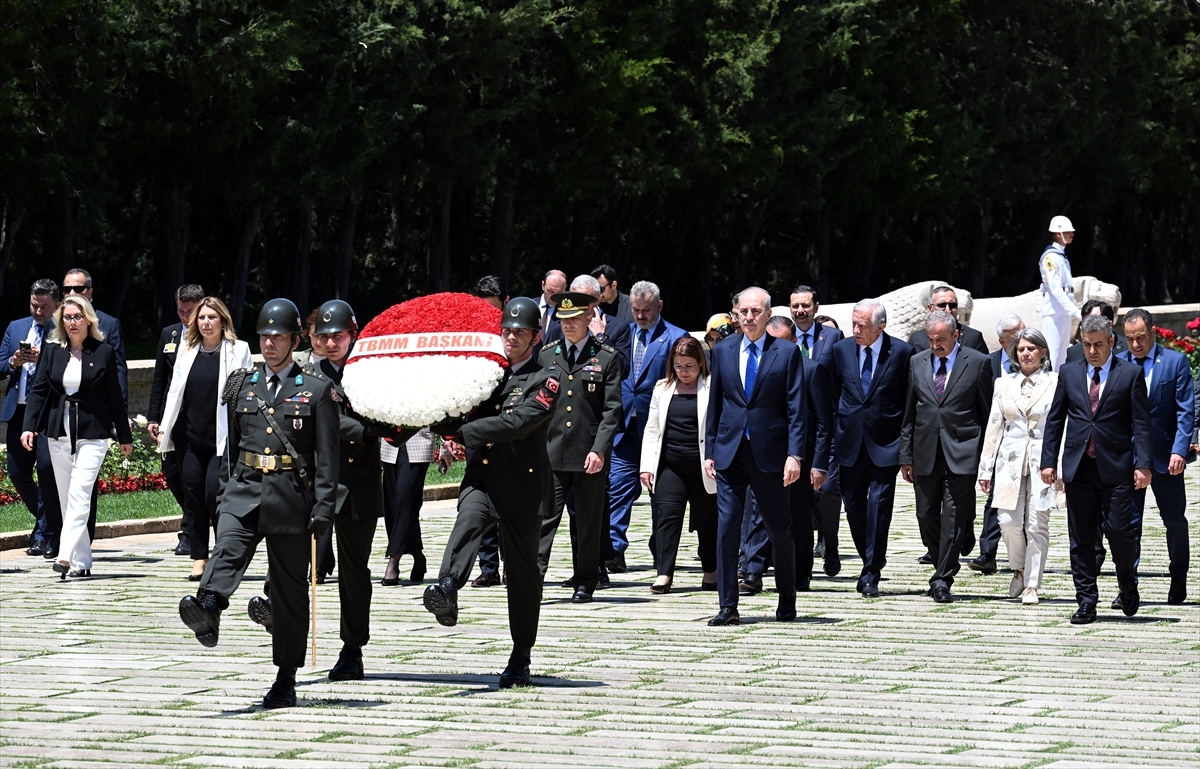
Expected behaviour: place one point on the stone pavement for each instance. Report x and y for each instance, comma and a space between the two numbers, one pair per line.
101, 673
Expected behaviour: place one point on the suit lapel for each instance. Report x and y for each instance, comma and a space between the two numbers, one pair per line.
764, 362
926, 371
1114, 374
960, 362
654, 346
735, 350
885, 356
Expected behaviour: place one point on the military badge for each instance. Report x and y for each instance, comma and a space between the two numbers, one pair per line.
297, 424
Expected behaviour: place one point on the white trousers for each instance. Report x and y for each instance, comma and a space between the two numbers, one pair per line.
1057, 330
1026, 535
75, 475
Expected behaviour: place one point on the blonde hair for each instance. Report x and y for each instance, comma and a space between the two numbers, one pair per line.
192, 335
59, 332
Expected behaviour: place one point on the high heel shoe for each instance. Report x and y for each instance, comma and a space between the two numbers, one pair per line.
79, 573
418, 569
197, 570
662, 589
61, 568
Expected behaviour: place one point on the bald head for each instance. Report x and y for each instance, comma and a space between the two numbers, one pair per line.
555, 282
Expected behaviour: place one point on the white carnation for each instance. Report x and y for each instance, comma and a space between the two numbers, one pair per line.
140, 420
420, 390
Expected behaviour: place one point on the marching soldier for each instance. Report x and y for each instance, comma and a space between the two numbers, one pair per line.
582, 429
508, 483
279, 483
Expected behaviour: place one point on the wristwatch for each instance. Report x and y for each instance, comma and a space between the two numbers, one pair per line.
797, 457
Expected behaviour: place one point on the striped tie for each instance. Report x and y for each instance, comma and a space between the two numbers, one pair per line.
939, 380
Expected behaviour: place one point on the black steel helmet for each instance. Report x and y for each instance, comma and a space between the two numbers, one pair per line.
522, 312
279, 316
334, 316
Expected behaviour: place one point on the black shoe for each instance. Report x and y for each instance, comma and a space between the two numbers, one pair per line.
751, 585
833, 564
349, 666
486, 579
389, 581
58, 567
50, 549
203, 616
819, 550
968, 544
1178, 592
1116, 603
184, 547
1086, 614
664, 588
926, 559
79, 573
582, 595
516, 674
617, 564
708, 585
1130, 601
983, 563
441, 600
602, 581
941, 594
870, 590
283, 691
259, 610
36, 547
417, 574
803, 586
726, 616
786, 611
568, 583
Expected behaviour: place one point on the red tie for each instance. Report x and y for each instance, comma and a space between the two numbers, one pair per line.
1094, 400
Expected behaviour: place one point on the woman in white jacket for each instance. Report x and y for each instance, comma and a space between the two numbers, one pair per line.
672, 463
195, 425
1012, 455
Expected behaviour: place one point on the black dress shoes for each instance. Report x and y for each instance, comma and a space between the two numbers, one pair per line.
968, 543
582, 595
602, 580
941, 594
349, 666
568, 583
1086, 614
441, 600
870, 590
833, 564
389, 581
418, 570
617, 564
283, 691
786, 612
184, 547
726, 616
751, 585
1178, 592
926, 559
37, 547
713, 586
819, 550
1130, 601
516, 674
486, 579
259, 610
203, 616
983, 563
1116, 603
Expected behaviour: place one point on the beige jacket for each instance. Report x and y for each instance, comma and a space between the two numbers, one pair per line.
656, 427
1012, 445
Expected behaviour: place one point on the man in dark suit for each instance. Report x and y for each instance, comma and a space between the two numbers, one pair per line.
1100, 406
868, 384
1171, 394
554, 282
814, 339
612, 300
606, 328
946, 299
169, 339
949, 398
653, 338
755, 432
1104, 309
79, 281
19, 354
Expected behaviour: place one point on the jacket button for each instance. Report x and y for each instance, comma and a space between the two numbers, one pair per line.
350, 459
267, 450
570, 376
497, 407
568, 424
270, 411
351, 443
270, 430
568, 408
531, 469
569, 392
485, 461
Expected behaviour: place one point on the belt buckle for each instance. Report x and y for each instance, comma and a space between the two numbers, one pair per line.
264, 463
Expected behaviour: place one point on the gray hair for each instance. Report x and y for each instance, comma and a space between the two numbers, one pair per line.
644, 288
1092, 324
766, 295
1008, 324
876, 308
1034, 337
941, 318
587, 284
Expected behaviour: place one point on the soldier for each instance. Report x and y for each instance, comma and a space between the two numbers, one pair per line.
279, 483
509, 483
585, 422
360, 493
1059, 312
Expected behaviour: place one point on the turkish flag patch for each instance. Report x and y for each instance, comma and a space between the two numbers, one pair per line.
552, 384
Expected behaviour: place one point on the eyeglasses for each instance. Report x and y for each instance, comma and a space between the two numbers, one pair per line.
685, 367
947, 305
75, 289
72, 319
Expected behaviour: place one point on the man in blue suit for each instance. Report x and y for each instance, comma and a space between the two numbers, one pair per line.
868, 387
19, 354
754, 438
1171, 393
814, 340
653, 338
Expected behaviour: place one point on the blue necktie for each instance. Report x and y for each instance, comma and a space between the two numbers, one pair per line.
751, 373
866, 371
639, 354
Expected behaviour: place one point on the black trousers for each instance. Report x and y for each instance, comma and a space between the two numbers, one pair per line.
680, 481
172, 475
288, 559
1093, 503
591, 523
354, 538
827, 512
945, 512
199, 468
403, 495
869, 493
476, 517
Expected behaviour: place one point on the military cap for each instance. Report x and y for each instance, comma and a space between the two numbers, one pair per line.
572, 304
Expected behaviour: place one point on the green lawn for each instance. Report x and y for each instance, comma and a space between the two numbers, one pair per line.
156, 504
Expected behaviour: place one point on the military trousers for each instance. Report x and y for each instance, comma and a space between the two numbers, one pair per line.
591, 523
354, 538
288, 559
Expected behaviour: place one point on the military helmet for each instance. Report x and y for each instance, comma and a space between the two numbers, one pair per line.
522, 312
279, 316
334, 316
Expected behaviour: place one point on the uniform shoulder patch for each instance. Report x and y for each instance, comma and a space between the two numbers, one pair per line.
552, 384
547, 394
548, 345
608, 348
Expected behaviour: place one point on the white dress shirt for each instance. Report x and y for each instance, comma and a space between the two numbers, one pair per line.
876, 348
744, 355
949, 361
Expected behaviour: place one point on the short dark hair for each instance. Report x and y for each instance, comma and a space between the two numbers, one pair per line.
778, 321
45, 287
803, 289
1137, 313
189, 292
821, 320
490, 285
1106, 309
607, 270
87, 276
942, 289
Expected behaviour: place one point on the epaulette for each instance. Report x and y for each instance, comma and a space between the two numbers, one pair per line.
233, 384
608, 348
548, 345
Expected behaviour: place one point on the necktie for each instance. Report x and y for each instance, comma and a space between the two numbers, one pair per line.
939, 380
546, 317
571, 356
866, 371
1094, 401
273, 387
804, 345
751, 374
639, 353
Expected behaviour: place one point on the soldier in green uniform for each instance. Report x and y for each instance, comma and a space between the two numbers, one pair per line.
582, 430
508, 482
279, 483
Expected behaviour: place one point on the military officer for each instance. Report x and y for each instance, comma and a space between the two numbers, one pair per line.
585, 422
279, 483
1059, 313
508, 482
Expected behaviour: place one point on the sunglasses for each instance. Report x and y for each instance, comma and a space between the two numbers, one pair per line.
947, 305
74, 289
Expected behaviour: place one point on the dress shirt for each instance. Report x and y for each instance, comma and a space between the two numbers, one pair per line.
34, 338
949, 361
578, 350
1004, 363
876, 348
806, 344
743, 356
1105, 368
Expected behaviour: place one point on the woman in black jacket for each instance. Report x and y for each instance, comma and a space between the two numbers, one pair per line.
76, 401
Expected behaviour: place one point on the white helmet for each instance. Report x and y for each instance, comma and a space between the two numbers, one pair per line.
1061, 224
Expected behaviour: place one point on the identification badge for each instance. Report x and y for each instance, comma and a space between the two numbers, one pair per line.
169, 347
591, 387
297, 423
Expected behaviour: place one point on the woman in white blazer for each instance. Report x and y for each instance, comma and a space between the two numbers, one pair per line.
195, 425
672, 462
1009, 468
